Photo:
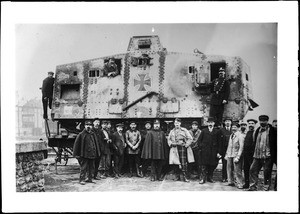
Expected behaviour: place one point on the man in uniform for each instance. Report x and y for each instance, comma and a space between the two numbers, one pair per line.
233, 157
248, 152
145, 162
225, 132
220, 93
47, 93
155, 149
133, 140
96, 130
118, 153
180, 139
195, 133
105, 140
86, 151
265, 153
208, 143
111, 68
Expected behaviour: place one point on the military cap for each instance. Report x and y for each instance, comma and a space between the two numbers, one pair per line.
274, 120
120, 125
131, 122
96, 118
227, 118
195, 123
235, 124
211, 119
108, 121
263, 117
156, 121
50, 72
249, 120
147, 122
178, 120
104, 121
221, 69
243, 123
88, 122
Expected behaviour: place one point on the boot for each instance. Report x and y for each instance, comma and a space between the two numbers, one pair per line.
138, 173
185, 177
130, 172
177, 175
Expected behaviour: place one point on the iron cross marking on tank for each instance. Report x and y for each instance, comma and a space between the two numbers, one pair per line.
144, 80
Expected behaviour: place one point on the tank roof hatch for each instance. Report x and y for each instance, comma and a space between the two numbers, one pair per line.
146, 43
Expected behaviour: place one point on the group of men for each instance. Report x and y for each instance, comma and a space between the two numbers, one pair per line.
101, 153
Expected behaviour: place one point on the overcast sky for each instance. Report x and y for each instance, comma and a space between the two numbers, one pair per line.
40, 48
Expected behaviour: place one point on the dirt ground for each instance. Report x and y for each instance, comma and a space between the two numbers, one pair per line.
66, 180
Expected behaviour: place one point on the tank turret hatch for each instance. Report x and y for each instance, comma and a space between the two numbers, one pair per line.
147, 43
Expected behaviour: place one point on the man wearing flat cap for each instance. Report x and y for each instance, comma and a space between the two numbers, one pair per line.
47, 93
220, 93
180, 152
133, 140
118, 153
265, 153
248, 152
224, 134
85, 149
195, 133
208, 144
155, 149
105, 140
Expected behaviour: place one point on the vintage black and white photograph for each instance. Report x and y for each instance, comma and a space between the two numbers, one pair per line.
154, 107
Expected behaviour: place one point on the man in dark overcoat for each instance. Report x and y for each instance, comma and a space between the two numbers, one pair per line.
225, 132
96, 130
145, 162
47, 93
85, 149
220, 92
265, 153
208, 144
156, 149
248, 152
105, 140
118, 140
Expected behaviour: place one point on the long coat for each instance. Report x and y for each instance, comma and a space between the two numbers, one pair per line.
47, 87
272, 142
119, 142
220, 91
208, 143
155, 146
223, 141
83, 147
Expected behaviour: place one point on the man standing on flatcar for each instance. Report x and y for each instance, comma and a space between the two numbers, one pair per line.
47, 93
155, 149
180, 153
225, 132
133, 140
85, 149
208, 143
220, 93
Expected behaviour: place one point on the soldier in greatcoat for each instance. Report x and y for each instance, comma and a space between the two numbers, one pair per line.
208, 143
156, 149
220, 93
145, 162
86, 150
47, 93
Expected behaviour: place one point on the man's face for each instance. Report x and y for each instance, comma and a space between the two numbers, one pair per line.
274, 124
211, 124
50, 75
194, 127
177, 124
104, 125
251, 125
133, 126
109, 125
234, 128
227, 123
148, 126
88, 127
222, 74
119, 129
96, 124
243, 127
263, 123
156, 126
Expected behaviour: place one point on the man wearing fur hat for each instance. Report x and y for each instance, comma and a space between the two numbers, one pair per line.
265, 153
